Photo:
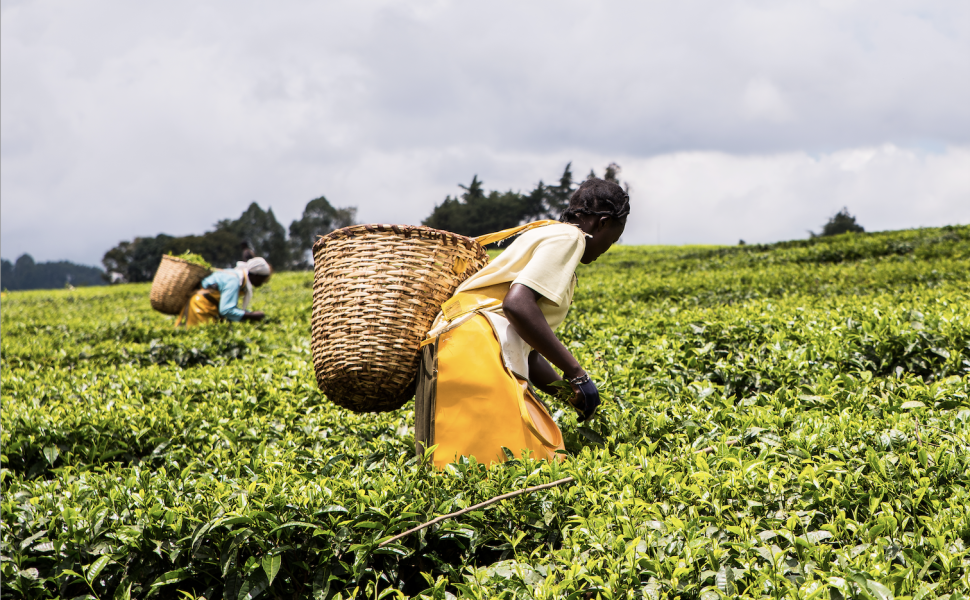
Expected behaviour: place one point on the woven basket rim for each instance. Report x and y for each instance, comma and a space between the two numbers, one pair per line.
185, 262
406, 230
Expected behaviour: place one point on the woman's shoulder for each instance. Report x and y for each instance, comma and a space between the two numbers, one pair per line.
557, 230
222, 276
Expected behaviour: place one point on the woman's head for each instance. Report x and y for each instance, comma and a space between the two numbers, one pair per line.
259, 271
600, 208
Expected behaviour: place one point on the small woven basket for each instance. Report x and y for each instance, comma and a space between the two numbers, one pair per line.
376, 291
174, 283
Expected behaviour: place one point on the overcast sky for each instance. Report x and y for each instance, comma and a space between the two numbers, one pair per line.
730, 119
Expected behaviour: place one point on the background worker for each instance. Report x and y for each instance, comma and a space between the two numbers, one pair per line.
218, 296
496, 336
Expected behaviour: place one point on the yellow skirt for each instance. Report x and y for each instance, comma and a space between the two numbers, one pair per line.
480, 407
202, 307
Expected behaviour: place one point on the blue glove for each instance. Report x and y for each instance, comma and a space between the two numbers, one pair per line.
587, 397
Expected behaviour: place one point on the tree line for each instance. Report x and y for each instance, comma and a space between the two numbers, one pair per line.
25, 274
472, 213
256, 229
476, 212
841, 222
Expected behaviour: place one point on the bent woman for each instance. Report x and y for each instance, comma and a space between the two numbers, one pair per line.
494, 340
219, 293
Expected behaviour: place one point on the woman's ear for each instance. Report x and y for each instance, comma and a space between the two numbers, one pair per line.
602, 222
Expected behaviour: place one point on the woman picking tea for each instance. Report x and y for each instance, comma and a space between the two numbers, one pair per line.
218, 296
495, 339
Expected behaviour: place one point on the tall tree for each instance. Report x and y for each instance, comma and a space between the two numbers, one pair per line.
612, 171
558, 197
319, 218
841, 222
261, 229
455, 214
6, 273
475, 212
534, 204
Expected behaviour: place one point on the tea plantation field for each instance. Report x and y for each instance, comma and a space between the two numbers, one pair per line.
781, 421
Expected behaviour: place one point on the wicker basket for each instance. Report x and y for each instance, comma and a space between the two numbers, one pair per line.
174, 283
376, 291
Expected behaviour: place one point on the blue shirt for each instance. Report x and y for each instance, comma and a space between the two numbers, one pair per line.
228, 284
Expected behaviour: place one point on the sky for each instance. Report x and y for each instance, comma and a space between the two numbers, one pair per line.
754, 120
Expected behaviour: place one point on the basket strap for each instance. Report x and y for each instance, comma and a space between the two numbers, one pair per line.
466, 302
491, 238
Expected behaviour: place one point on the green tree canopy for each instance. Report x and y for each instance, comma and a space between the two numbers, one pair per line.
842, 222
138, 260
477, 212
263, 232
557, 197
319, 218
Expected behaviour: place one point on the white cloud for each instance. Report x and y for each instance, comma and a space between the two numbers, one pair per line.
130, 119
762, 100
716, 198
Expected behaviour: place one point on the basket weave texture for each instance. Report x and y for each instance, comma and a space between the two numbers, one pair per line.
174, 283
376, 291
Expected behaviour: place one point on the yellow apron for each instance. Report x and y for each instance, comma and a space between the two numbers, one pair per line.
468, 402
480, 406
202, 307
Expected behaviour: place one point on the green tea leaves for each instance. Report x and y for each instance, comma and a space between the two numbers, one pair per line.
785, 421
51, 453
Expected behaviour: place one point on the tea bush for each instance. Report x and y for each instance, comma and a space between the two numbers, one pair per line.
784, 420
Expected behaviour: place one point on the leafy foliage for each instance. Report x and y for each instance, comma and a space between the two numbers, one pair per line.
137, 260
195, 259
476, 212
786, 420
319, 218
841, 222
262, 231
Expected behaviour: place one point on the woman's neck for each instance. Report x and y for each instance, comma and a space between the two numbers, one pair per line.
585, 222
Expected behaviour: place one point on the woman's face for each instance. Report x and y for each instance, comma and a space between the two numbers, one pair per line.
258, 280
605, 231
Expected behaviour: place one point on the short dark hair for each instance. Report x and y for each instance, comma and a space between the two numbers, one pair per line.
598, 197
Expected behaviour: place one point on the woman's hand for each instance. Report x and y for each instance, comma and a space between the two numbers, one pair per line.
581, 393
587, 397
256, 315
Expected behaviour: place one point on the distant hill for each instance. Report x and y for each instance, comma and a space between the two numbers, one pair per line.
25, 274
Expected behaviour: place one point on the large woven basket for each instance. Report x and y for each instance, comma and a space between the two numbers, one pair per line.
376, 291
174, 283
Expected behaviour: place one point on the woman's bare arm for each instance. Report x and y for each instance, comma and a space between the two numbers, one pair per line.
522, 310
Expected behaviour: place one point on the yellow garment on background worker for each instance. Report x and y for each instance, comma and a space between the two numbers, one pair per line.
479, 400
202, 307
